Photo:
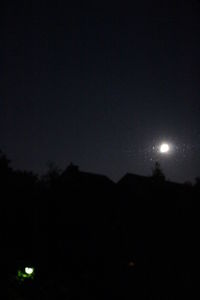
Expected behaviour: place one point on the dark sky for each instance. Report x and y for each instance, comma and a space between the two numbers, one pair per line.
101, 85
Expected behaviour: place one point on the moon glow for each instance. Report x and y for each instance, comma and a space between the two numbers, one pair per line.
164, 148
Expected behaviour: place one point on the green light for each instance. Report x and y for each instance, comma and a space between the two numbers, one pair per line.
28, 273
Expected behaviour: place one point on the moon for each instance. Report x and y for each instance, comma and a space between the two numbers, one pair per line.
164, 148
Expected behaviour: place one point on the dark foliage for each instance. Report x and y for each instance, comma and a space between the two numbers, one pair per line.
90, 238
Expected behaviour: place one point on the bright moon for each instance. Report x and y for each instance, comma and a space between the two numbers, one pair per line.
164, 148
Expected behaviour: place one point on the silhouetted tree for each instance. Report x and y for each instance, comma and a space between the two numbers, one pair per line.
197, 182
4, 163
24, 179
197, 185
72, 169
157, 172
52, 174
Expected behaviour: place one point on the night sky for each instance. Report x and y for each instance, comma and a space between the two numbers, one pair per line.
101, 85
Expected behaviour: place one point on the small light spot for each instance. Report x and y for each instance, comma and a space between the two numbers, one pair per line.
29, 271
131, 264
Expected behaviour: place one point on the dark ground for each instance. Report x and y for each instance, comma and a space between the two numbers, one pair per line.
90, 238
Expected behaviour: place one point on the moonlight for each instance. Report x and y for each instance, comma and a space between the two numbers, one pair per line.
164, 148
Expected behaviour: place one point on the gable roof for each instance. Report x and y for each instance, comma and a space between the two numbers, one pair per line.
136, 181
133, 179
74, 176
